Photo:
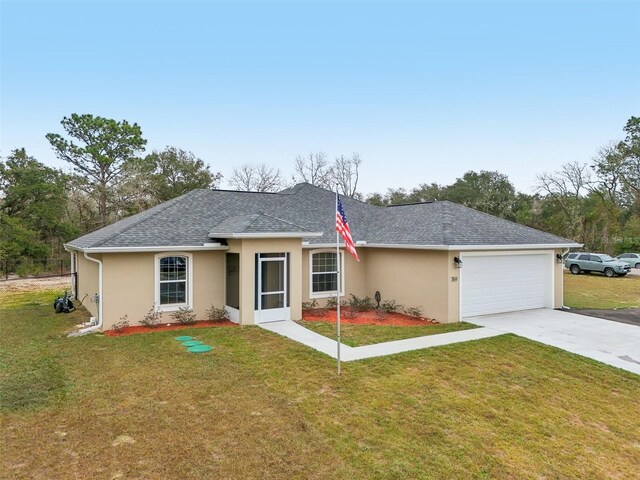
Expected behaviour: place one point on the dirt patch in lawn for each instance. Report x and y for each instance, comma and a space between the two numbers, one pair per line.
369, 317
167, 326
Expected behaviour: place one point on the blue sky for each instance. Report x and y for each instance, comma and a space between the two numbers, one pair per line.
424, 91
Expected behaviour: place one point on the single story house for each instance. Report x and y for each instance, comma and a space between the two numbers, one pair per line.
261, 255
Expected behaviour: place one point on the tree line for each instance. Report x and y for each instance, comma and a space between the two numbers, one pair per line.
595, 203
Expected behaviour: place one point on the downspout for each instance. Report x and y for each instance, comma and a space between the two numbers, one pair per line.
564, 307
97, 326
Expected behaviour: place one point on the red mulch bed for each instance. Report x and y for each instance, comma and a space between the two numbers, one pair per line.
369, 317
167, 326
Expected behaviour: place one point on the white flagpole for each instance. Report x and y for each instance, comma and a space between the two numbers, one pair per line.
338, 264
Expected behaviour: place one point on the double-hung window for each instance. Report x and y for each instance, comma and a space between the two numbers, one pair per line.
324, 274
173, 278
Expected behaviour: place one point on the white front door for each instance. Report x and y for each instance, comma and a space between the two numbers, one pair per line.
497, 283
272, 302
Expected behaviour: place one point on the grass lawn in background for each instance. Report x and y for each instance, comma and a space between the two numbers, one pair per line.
597, 291
358, 335
262, 406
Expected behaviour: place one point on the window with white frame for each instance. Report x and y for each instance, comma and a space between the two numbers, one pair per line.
173, 278
324, 274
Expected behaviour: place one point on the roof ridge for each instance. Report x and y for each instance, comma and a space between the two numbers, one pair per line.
279, 219
426, 202
301, 185
447, 224
165, 205
235, 191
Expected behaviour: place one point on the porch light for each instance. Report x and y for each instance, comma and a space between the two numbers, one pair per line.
558, 258
457, 262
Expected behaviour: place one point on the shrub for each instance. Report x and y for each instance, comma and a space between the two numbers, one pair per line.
360, 304
184, 316
121, 324
413, 311
152, 318
29, 267
309, 305
389, 306
331, 303
215, 314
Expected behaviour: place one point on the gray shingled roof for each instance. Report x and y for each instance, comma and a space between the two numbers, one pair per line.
188, 220
255, 223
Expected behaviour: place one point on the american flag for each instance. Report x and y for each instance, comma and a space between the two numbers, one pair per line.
342, 226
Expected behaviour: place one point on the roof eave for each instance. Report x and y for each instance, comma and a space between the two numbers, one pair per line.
529, 246
265, 235
143, 249
524, 246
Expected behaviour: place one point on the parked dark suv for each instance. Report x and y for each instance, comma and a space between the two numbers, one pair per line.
596, 262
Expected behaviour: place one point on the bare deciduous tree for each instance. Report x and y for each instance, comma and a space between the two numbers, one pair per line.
568, 187
256, 178
572, 181
314, 169
346, 172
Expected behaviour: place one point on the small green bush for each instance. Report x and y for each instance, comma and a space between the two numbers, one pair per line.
309, 305
215, 314
413, 311
389, 306
152, 318
331, 303
184, 316
360, 304
29, 267
121, 324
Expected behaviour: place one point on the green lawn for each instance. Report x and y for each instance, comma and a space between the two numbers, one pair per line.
597, 291
20, 298
357, 335
262, 406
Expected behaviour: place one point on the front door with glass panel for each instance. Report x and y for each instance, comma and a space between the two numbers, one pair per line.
272, 289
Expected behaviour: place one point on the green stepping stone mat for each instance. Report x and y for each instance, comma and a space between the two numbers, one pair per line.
200, 349
184, 338
191, 343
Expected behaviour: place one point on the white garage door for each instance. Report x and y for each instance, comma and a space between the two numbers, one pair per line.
505, 283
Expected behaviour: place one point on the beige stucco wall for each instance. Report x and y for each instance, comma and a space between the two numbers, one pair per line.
129, 285
247, 248
453, 288
87, 282
417, 278
558, 271
413, 278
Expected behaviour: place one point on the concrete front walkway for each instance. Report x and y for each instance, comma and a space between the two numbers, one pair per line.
616, 344
328, 346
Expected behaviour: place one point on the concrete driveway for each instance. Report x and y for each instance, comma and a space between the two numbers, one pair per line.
616, 344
